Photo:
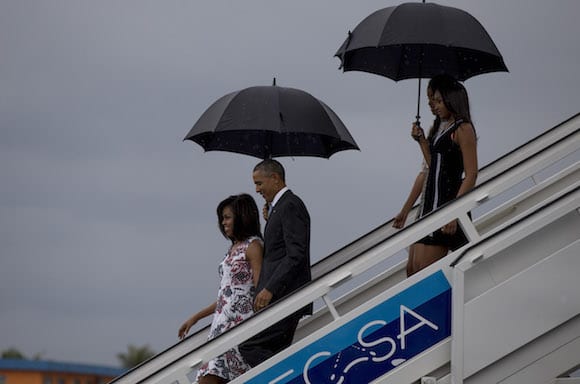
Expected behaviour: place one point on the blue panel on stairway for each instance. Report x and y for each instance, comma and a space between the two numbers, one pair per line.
373, 343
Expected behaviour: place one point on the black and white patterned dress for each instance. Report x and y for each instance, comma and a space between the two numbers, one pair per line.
234, 304
443, 182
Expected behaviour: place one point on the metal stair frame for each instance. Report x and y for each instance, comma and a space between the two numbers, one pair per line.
176, 363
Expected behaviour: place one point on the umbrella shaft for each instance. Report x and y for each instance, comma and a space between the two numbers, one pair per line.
418, 116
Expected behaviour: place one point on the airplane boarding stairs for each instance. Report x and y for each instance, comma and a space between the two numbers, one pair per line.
505, 308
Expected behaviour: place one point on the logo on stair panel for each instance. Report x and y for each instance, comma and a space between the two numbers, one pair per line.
373, 343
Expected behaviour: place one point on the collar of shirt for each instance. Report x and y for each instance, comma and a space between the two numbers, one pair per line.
278, 196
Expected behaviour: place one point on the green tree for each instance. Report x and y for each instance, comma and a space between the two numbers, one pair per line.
12, 353
37, 356
135, 355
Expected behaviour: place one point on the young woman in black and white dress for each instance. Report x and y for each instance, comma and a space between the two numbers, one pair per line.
450, 152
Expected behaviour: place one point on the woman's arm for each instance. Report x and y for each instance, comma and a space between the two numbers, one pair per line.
401, 218
184, 329
419, 136
254, 255
465, 138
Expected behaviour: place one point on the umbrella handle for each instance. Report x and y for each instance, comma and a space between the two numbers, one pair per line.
418, 116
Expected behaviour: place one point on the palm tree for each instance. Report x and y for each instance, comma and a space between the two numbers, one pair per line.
135, 355
12, 353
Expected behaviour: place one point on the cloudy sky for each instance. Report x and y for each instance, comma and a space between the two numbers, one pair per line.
108, 235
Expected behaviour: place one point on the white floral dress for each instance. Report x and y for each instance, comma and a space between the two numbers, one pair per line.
234, 304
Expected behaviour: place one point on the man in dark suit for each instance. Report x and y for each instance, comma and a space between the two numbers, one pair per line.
286, 263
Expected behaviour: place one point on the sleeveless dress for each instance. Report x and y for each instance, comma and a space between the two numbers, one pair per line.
443, 183
235, 303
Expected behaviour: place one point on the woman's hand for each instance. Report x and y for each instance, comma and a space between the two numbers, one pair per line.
399, 220
449, 228
263, 298
209, 310
184, 329
417, 133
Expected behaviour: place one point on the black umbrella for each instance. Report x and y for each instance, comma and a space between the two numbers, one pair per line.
420, 40
271, 121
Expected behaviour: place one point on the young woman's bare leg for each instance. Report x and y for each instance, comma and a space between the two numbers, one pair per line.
411, 260
425, 255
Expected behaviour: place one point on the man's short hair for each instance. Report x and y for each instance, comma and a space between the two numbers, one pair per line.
270, 166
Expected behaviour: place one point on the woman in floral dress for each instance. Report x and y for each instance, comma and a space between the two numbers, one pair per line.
238, 221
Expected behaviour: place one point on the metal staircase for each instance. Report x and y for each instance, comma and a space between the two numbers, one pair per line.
505, 308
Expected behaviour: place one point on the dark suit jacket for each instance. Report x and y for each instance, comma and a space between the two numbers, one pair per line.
286, 263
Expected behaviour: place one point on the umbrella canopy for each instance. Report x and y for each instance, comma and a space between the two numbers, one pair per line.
414, 40
420, 40
271, 121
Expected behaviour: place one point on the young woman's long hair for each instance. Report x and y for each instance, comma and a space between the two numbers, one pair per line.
454, 97
457, 101
246, 217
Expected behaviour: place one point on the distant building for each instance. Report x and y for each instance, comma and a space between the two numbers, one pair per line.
13, 371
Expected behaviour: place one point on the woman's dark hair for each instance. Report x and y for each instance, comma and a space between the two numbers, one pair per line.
435, 84
246, 216
454, 97
457, 102
439, 81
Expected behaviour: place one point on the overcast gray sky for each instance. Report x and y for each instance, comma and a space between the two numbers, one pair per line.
108, 233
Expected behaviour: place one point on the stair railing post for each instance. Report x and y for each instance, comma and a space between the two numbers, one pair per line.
457, 325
